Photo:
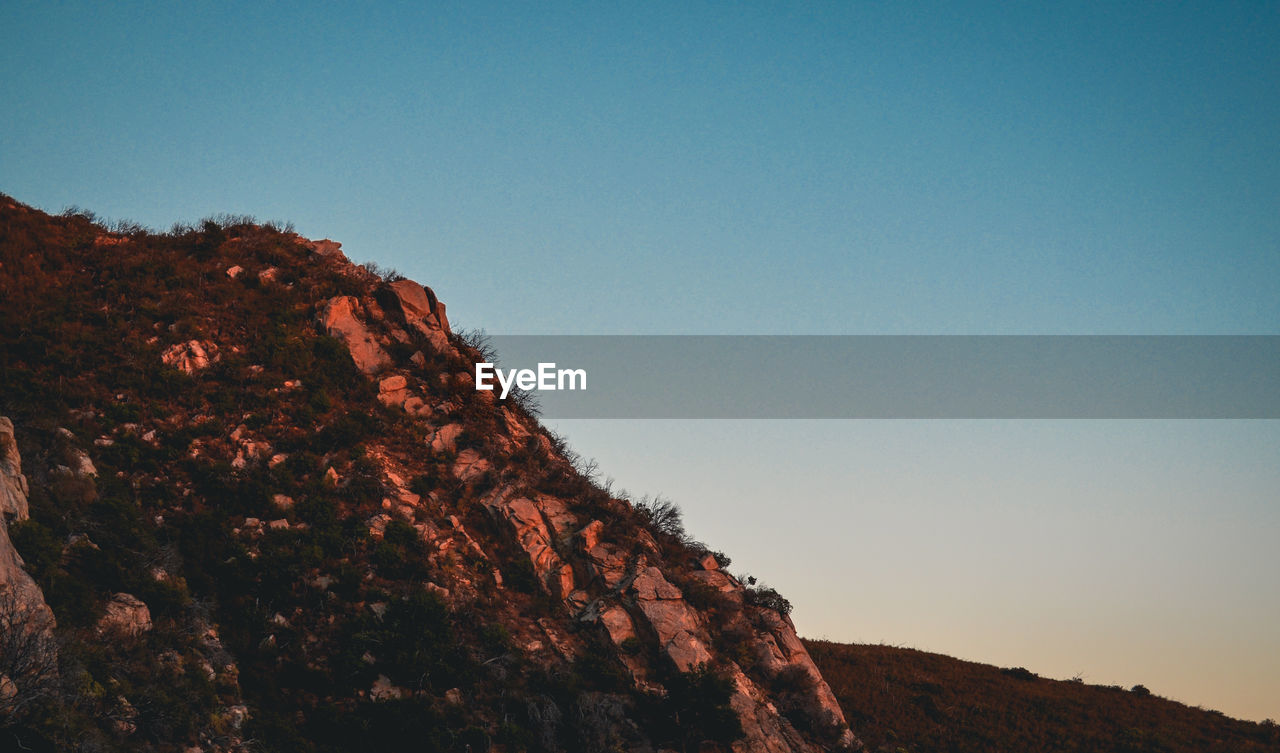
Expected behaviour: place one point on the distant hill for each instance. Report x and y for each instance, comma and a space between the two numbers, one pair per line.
901, 699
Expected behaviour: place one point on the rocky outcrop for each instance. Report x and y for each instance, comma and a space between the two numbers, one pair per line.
13, 485
603, 583
535, 536
420, 307
780, 651
326, 248
338, 318
675, 623
28, 657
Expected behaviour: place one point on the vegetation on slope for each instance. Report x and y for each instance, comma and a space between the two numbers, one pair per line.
901, 699
323, 570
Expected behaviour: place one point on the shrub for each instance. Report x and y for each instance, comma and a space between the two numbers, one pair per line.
767, 598
663, 516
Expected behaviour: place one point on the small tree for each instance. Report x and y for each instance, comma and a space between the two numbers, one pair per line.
28, 656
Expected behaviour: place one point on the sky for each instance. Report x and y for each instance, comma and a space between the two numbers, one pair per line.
817, 168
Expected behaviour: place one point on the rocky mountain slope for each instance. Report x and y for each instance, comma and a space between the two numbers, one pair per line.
258, 491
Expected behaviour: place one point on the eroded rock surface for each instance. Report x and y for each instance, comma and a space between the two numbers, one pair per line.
191, 356
13, 484
339, 318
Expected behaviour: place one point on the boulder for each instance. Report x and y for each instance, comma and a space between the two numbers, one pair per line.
338, 317
445, 439
126, 614
76, 460
190, 356
420, 307
393, 391
327, 249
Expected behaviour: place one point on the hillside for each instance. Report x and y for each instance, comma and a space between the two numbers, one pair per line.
257, 489
251, 501
901, 699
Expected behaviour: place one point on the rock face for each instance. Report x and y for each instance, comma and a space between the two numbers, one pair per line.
13, 485
633, 602
339, 319
26, 622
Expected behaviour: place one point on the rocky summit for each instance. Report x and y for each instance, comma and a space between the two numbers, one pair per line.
252, 501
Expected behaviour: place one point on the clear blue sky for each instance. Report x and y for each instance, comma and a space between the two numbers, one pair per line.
805, 168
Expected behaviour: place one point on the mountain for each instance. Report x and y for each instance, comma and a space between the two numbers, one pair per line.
253, 502
250, 500
901, 699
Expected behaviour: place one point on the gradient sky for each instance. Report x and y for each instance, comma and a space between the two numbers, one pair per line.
851, 168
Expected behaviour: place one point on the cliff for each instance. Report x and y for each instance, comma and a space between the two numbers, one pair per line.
271, 512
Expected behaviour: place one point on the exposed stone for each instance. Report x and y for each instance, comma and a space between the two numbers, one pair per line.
338, 317
383, 690
393, 390
77, 460
328, 249
470, 465
676, 624
190, 356
13, 485
446, 437
126, 614
781, 649
392, 383
607, 562
618, 624
590, 535
420, 307
234, 272
21, 593
557, 514
650, 584
718, 580
534, 537
764, 731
